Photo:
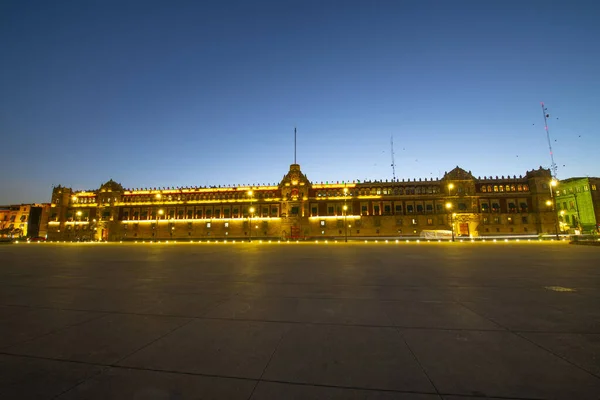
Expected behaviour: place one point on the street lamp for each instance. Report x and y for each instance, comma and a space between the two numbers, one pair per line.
79, 220
250, 211
345, 223
345, 216
552, 201
450, 187
452, 215
159, 212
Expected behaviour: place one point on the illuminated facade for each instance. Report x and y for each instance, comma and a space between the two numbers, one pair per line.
297, 208
578, 205
24, 220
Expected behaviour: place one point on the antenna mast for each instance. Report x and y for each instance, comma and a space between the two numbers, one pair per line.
553, 166
393, 161
294, 145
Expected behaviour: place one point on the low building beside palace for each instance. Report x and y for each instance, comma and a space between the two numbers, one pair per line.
24, 220
297, 208
578, 205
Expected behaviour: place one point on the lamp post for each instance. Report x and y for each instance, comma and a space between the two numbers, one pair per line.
452, 215
345, 223
553, 183
159, 212
345, 216
250, 211
79, 220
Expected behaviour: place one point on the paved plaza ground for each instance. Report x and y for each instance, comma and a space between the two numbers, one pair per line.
300, 321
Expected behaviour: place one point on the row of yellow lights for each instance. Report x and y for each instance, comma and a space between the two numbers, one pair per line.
297, 241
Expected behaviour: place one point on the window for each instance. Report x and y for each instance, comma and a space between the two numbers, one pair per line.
586, 188
398, 209
512, 207
217, 213
363, 210
226, 224
485, 207
523, 207
486, 220
462, 207
387, 209
313, 210
483, 189
322, 222
376, 210
330, 210
501, 188
510, 220
495, 188
420, 208
429, 208
525, 219
495, 207
409, 209
439, 208
414, 221
398, 221
429, 221
496, 220
295, 210
208, 224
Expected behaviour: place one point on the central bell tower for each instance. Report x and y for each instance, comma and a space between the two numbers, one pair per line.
294, 207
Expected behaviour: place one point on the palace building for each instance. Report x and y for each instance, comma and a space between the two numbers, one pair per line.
299, 209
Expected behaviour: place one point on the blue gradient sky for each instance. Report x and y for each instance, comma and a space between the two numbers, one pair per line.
160, 93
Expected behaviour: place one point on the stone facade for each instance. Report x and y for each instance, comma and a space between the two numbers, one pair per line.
24, 220
578, 205
299, 209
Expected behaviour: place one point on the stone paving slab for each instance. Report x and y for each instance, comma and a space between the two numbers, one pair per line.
34, 378
365, 357
24, 323
497, 364
102, 341
276, 390
332, 311
582, 350
373, 321
130, 384
213, 347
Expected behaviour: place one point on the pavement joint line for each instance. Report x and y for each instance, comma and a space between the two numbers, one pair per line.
528, 287
267, 364
201, 317
399, 332
57, 330
519, 335
122, 367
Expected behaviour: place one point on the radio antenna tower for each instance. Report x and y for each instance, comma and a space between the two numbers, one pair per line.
553, 166
393, 161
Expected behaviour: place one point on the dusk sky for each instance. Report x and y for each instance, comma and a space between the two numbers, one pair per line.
174, 93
